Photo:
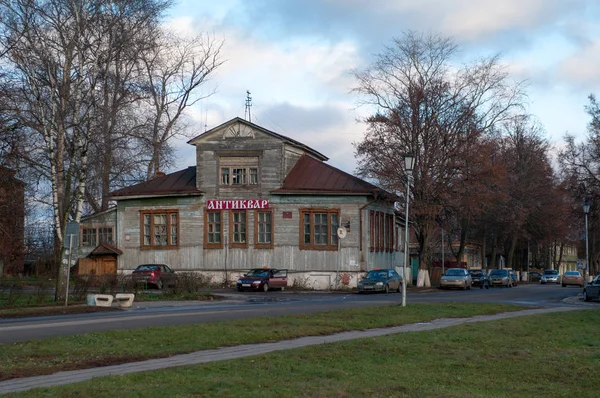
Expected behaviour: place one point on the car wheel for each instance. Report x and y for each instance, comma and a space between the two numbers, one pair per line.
387, 288
399, 290
266, 287
585, 296
159, 284
239, 289
563, 285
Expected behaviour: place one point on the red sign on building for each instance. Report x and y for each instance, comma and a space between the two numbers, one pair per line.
243, 204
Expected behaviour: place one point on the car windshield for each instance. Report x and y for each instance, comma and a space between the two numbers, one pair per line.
147, 267
258, 272
499, 272
376, 274
551, 272
572, 273
476, 273
455, 272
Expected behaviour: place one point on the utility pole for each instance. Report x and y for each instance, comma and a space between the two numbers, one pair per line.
247, 114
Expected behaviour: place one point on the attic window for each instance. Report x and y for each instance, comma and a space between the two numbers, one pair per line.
239, 171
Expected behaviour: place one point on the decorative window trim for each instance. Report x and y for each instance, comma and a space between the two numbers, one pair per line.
208, 245
330, 246
231, 229
152, 213
258, 245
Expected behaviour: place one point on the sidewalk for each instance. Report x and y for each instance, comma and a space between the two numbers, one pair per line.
220, 354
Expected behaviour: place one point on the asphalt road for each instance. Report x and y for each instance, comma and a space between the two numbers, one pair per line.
254, 304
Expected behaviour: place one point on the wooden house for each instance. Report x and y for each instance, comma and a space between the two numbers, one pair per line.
254, 199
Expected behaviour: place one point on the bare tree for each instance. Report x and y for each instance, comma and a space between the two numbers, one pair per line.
427, 105
54, 56
175, 70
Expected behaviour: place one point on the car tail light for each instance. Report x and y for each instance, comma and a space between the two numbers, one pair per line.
152, 274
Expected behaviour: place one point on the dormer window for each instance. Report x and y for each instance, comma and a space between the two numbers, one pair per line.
237, 171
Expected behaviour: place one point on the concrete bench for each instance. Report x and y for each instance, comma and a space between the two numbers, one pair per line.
104, 300
125, 300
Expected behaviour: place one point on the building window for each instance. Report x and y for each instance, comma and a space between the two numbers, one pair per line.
239, 175
263, 229
319, 229
225, 176
213, 230
160, 229
91, 237
253, 176
237, 228
88, 237
105, 235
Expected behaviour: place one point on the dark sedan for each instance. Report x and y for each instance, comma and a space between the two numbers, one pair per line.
380, 280
479, 278
591, 291
263, 279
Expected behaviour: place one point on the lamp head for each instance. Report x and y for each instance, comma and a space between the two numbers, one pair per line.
409, 162
586, 207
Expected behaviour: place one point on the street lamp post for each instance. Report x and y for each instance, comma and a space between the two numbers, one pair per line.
586, 211
409, 164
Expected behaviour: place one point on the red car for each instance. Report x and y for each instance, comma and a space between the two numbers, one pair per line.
263, 279
158, 275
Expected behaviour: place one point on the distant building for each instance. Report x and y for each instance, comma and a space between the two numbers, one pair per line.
254, 199
12, 221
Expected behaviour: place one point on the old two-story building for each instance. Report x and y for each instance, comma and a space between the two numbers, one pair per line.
12, 223
254, 199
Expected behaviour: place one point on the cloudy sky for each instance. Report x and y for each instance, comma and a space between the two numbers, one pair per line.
294, 56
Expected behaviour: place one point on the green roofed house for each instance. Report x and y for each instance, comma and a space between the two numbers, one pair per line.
254, 199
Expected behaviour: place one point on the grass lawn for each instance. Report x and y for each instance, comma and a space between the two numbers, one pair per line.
550, 355
99, 349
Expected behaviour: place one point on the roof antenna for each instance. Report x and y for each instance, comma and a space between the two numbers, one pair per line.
247, 114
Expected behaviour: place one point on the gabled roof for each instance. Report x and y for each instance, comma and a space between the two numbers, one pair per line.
311, 176
104, 248
182, 182
283, 138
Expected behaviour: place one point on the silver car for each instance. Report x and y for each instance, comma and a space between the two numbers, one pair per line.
550, 276
456, 277
591, 291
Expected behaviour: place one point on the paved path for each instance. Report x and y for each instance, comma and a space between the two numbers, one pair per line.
219, 354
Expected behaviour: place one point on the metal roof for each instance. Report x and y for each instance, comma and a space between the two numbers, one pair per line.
311, 176
181, 182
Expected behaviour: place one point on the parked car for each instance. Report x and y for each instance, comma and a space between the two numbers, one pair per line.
263, 279
501, 277
480, 278
158, 275
591, 290
572, 278
550, 276
535, 276
456, 277
380, 280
